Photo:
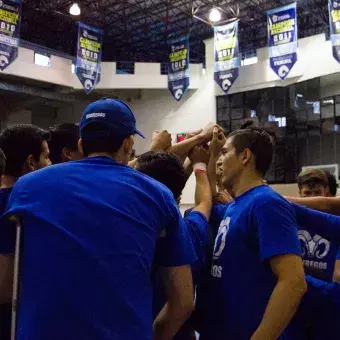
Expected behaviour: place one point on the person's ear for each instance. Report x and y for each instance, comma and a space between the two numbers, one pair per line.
80, 146
31, 163
66, 154
128, 145
246, 156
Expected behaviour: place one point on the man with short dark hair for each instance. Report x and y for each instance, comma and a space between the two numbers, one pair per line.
90, 230
25, 148
166, 168
257, 277
312, 183
64, 143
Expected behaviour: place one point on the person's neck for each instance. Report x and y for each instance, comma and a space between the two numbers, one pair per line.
8, 181
116, 158
245, 182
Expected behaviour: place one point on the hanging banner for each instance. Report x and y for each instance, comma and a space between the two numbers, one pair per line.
227, 59
334, 25
10, 17
282, 39
89, 56
178, 69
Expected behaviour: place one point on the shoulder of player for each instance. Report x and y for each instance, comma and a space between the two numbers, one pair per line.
53, 171
270, 198
196, 217
151, 183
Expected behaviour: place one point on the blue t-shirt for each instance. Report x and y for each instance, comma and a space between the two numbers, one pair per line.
7, 230
4, 197
89, 238
217, 215
6, 309
319, 235
319, 312
197, 225
258, 225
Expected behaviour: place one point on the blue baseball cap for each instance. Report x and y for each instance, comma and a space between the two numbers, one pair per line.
116, 117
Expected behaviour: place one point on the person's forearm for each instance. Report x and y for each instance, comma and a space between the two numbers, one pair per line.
281, 308
188, 167
336, 276
203, 197
324, 224
169, 321
183, 148
212, 174
326, 204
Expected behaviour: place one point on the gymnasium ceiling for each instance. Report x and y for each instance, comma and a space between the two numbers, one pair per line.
137, 30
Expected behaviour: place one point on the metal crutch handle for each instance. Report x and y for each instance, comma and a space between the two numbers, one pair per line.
16, 278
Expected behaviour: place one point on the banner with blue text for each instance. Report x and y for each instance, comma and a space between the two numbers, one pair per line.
10, 18
89, 56
334, 25
227, 59
282, 39
178, 69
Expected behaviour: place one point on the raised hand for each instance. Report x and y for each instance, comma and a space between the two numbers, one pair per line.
161, 141
222, 197
199, 154
217, 142
192, 134
207, 132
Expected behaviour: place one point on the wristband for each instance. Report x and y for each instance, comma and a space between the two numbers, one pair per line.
200, 168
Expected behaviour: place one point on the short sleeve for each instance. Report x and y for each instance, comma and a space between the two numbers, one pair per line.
187, 212
217, 215
175, 248
277, 229
338, 254
326, 225
197, 225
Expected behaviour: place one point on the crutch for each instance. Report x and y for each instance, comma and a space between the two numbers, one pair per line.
16, 278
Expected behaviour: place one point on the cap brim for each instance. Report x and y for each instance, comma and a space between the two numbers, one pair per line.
139, 133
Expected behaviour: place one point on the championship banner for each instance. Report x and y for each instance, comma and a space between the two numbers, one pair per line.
282, 39
89, 56
227, 59
334, 24
178, 70
10, 17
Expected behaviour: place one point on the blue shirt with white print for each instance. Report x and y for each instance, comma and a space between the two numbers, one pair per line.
90, 230
319, 235
257, 226
7, 237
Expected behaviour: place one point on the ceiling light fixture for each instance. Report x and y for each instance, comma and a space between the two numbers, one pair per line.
215, 15
75, 9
